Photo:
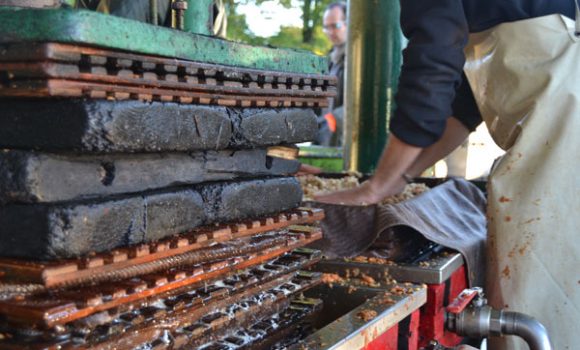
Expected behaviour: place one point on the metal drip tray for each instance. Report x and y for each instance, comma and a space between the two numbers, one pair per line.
435, 270
341, 325
329, 317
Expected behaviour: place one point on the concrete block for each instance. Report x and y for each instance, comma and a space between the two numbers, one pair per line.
70, 229
31, 177
45, 231
234, 199
273, 127
137, 126
172, 213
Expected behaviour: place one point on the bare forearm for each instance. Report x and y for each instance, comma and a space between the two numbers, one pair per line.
386, 181
395, 160
454, 135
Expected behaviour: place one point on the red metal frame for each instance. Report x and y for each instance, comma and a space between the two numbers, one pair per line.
432, 322
390, 339
386, 341
427, 323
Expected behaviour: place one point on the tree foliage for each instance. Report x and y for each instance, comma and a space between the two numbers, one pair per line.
309, 37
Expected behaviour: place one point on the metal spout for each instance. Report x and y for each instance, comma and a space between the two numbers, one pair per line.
527, 328
480, 322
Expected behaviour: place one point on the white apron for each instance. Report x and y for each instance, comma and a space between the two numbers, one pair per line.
525, 77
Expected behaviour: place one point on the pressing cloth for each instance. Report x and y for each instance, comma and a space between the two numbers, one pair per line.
451, 214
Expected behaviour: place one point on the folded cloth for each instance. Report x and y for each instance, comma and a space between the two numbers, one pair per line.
451, 214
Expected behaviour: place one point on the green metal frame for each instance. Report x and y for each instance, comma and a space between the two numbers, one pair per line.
199, 17
91, 28
373, 67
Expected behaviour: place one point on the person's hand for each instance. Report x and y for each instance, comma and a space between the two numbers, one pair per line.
365, 194
306, 169
397, 157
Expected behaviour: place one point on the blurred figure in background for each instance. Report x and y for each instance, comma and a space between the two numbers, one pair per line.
334, 24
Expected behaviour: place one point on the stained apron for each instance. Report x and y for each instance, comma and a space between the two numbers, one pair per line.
525, 77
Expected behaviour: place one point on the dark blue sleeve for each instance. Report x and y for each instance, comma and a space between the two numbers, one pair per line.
432, 65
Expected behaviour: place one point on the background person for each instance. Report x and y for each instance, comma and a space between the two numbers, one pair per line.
334, 25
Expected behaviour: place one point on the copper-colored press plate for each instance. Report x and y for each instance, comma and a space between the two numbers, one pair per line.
76, 271
100, 74
52, 69
73, 88
87, 55
190, 323
63, 307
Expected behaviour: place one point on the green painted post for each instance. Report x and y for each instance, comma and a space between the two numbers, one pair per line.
199, 17
373, 67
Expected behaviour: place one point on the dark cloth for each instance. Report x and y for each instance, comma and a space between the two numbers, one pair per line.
336, 68
451, 214
327, 137
431, 75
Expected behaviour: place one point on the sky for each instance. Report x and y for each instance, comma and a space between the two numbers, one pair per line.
265, 20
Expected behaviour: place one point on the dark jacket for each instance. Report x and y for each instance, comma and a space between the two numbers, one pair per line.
336, 68
326, 136
432, 86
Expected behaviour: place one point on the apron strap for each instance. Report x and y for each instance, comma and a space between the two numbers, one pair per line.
577, 18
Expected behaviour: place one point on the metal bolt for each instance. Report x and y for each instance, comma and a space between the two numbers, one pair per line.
179, 6
153, 8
